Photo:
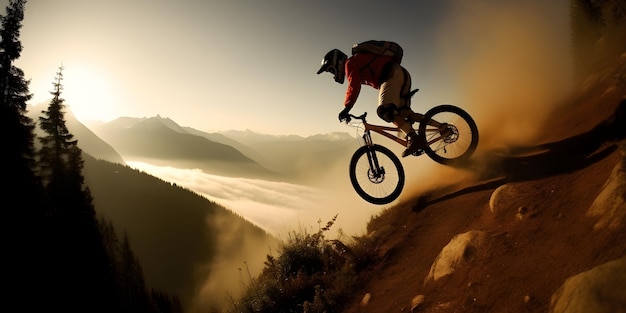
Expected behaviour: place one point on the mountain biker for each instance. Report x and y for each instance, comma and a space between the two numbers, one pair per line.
382, 73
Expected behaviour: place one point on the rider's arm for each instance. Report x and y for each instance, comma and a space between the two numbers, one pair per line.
354, 83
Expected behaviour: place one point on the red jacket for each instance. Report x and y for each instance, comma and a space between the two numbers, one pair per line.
358, 73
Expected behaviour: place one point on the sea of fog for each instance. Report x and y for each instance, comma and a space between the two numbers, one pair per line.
276, 207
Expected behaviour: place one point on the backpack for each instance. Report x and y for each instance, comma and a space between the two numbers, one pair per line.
379, 47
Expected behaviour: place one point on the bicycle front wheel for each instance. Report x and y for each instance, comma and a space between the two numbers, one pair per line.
376, 174
452, 142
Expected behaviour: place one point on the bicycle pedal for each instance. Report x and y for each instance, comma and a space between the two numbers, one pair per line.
418, 152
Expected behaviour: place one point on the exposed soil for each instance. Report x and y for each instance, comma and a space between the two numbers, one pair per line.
524, 260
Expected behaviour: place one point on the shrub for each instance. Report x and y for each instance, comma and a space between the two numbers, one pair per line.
310, 274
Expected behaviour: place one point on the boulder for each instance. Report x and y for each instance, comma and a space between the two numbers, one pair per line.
416, 302
610, 205
517, 199
460, 250
599, 290
501, 197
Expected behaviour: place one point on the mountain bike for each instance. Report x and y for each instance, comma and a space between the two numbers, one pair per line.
376, 173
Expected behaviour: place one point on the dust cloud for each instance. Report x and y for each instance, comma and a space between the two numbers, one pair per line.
512, 66
512, 62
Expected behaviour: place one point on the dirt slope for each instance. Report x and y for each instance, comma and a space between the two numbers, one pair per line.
524, 261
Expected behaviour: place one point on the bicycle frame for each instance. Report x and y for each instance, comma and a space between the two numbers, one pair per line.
387, 131
384, 131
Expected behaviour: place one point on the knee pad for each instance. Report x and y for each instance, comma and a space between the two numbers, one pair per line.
387, 112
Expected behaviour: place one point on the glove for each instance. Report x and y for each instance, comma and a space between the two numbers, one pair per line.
344, 114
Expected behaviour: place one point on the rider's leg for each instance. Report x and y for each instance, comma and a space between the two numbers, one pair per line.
409, 115
390, 100
389, 113
401, 123
391, 103
415, 142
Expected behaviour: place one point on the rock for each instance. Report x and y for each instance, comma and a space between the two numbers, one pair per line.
508, 198
522, 213
417, 301
460, 250
610, 204
599, 290
366, 299
501, 197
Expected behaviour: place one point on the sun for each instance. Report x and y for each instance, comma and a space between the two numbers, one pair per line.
88, 93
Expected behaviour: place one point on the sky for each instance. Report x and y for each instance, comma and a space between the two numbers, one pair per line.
221, 65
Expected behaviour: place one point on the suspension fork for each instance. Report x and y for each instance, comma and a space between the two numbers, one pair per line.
375, 168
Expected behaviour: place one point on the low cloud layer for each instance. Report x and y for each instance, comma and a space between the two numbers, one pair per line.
276, 207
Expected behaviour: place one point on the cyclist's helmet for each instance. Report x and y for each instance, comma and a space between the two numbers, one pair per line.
333, 62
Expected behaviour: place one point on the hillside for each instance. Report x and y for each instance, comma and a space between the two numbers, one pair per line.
187, 245
527, 222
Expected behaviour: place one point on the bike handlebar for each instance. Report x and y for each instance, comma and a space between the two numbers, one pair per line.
360, 117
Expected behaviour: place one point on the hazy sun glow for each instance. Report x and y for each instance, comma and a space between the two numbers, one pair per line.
88, 93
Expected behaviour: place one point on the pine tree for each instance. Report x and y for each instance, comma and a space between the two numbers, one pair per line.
21, 194
126, 269
17, 128
135, 294
77, 253
60, 161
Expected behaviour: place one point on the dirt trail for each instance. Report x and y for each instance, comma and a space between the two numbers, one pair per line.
525, 261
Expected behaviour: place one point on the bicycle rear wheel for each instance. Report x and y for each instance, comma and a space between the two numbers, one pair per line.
453, 143
376, 174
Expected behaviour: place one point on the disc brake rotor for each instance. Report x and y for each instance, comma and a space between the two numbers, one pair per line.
376, 178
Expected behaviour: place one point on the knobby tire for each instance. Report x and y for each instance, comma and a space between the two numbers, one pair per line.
380, 189
455, 148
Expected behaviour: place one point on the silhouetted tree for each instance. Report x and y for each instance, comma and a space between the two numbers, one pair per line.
22, 214
76, 250
60, 161
17, 128
165, 303
126, 269
112, 247
135, 294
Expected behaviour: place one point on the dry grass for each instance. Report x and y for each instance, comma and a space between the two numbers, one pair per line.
310, 274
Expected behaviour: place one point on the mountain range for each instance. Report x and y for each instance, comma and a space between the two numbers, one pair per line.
161, 141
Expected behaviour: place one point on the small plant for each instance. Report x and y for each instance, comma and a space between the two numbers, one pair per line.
310, 274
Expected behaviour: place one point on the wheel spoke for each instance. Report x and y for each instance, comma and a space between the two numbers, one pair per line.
456, 140
377, 185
